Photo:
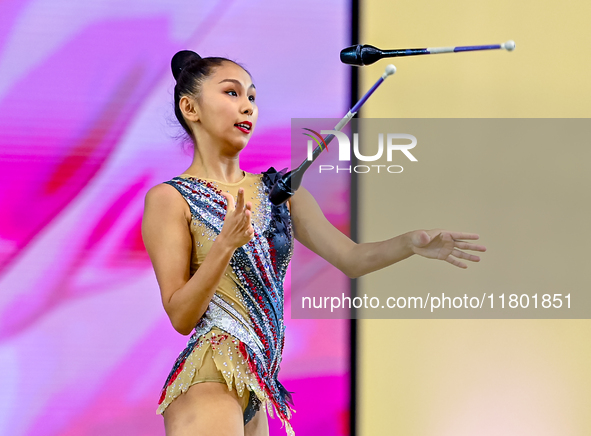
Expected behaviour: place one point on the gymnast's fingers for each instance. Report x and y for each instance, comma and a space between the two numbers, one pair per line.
456, 262
240, 200
462, 255
462, 235
230, 200
467, 246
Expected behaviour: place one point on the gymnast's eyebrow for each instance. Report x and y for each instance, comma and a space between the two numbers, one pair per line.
237, 82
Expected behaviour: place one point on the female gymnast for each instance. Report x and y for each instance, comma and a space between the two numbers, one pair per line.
220, 251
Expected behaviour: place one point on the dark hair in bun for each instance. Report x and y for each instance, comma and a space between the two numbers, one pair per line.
190, 71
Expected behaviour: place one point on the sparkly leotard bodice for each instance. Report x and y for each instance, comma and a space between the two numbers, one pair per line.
243, 324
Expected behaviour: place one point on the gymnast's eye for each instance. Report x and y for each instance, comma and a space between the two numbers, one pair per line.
232, 91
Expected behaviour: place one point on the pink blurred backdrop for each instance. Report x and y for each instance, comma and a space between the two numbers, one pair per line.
86, 128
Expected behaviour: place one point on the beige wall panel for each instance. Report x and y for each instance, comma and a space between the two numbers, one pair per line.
482, 377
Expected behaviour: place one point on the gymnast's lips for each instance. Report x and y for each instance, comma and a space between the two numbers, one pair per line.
244, 126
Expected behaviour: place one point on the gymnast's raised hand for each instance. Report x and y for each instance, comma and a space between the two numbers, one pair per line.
237, 229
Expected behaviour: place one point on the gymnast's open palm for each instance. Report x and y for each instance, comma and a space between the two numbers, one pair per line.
445, 245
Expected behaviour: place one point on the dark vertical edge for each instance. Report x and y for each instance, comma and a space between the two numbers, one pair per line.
354, 220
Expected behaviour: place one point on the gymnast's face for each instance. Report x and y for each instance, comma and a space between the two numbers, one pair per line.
225, 108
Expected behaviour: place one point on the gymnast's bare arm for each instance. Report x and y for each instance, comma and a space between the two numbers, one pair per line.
316, 233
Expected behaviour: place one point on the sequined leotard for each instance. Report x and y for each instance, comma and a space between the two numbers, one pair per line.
239, 340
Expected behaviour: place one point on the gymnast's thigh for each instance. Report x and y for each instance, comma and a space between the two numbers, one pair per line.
259, 425
207, 408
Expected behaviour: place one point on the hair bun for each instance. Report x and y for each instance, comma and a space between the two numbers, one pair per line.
180, 61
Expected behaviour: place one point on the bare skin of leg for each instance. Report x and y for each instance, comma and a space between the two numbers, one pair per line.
259, 425
209, 408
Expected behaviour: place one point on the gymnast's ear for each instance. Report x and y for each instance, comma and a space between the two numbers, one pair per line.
189, 108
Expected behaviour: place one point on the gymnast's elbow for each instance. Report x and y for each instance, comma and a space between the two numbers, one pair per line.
351, 269
183, 329
181, 324
353, 272
352, 263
